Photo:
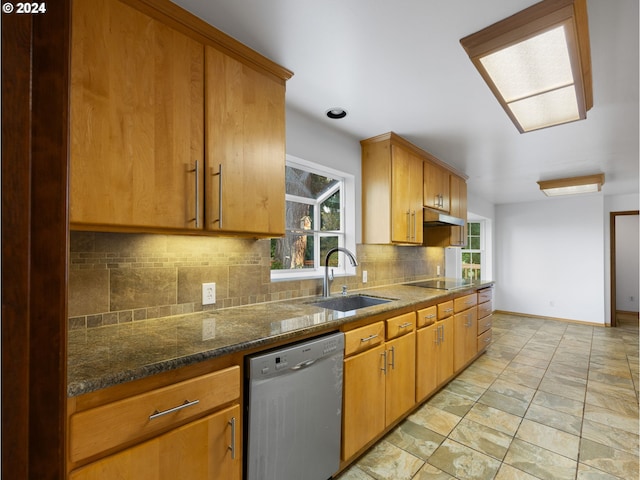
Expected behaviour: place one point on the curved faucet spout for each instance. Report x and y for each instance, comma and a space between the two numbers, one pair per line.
326, 286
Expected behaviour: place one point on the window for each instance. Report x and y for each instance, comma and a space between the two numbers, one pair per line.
316, 219
472, 252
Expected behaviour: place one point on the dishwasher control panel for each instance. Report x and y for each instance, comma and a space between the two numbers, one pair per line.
294, 357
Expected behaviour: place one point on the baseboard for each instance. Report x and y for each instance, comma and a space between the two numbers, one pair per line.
555, 319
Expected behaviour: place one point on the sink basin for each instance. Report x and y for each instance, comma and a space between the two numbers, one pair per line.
348, 303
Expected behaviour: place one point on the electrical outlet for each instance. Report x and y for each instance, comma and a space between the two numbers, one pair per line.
364, 276
438, 270
208, 293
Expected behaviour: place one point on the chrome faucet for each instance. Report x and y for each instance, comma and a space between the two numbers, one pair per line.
326, 286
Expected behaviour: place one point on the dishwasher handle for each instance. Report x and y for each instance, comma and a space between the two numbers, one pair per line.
305, 364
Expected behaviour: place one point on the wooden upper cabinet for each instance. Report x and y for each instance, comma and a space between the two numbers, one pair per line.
391, 191
165, 108
436, 187
245, 147
458, 188
136, 120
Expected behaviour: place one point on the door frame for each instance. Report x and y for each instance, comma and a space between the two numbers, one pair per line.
612, 234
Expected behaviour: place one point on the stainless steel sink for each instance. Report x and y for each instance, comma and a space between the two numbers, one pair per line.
351, 302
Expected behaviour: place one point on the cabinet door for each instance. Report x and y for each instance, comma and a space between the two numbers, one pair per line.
200, 450
427, 350
445, 350
458, 209
406, 196
245, 148
435, 187
136, 120
401, 376
364, 398
465, 337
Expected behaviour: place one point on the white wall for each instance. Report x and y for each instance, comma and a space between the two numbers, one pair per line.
315, 141
549, 258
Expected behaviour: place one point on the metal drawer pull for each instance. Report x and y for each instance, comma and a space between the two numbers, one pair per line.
429, 316
370, 337
393, 358
232, 447
186, 404
448, 310
405, 325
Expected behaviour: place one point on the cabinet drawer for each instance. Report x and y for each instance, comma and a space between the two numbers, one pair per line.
484, 324
426, 316
485, 295
484, 340
463, 303
485, 309
363, 338
108, 426
401, 325
445, 309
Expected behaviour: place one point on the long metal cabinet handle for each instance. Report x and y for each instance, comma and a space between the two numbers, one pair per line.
219, 175
370, 337
437, 334
384, 362
393, 358
415, 231
442, 337
232, 447
186, 404
196, 170
408, 224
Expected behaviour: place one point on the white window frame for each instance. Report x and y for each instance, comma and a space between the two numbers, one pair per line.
346, 237
484, 260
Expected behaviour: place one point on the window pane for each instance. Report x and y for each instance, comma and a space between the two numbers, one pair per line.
299, 216
474, 229
474, 243
330, 213
307, 184
326, 244
292, 252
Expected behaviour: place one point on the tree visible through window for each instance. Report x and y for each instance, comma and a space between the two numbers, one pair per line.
472, 252
314, 219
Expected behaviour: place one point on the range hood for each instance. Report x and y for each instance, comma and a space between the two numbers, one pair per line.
432, 218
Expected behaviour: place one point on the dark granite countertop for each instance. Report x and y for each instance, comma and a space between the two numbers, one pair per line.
105, 356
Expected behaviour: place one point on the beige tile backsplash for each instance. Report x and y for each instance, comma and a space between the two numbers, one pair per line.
119, 277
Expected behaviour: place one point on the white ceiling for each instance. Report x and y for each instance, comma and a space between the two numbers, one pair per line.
397, 65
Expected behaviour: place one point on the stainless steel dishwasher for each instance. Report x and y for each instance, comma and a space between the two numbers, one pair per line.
294, 411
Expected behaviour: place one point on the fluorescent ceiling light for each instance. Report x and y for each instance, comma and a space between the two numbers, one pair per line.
572, 185
537, 63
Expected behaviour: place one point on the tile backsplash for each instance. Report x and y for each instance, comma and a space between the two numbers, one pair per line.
120, 277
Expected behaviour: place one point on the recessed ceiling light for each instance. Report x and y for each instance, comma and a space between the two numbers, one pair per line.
336, 112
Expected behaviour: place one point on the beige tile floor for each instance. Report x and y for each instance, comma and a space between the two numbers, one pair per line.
549, 400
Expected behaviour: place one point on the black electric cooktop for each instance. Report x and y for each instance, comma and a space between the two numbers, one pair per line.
443, 283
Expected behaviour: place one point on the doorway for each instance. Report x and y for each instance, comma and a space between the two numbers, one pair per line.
624, 266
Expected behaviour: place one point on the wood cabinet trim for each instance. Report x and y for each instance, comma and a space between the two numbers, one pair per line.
396, 139
184, 21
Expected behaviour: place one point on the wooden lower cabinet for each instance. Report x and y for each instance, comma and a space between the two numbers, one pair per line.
364, 399
465, 334
401, 377
434, 357
426, 361
202, 449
